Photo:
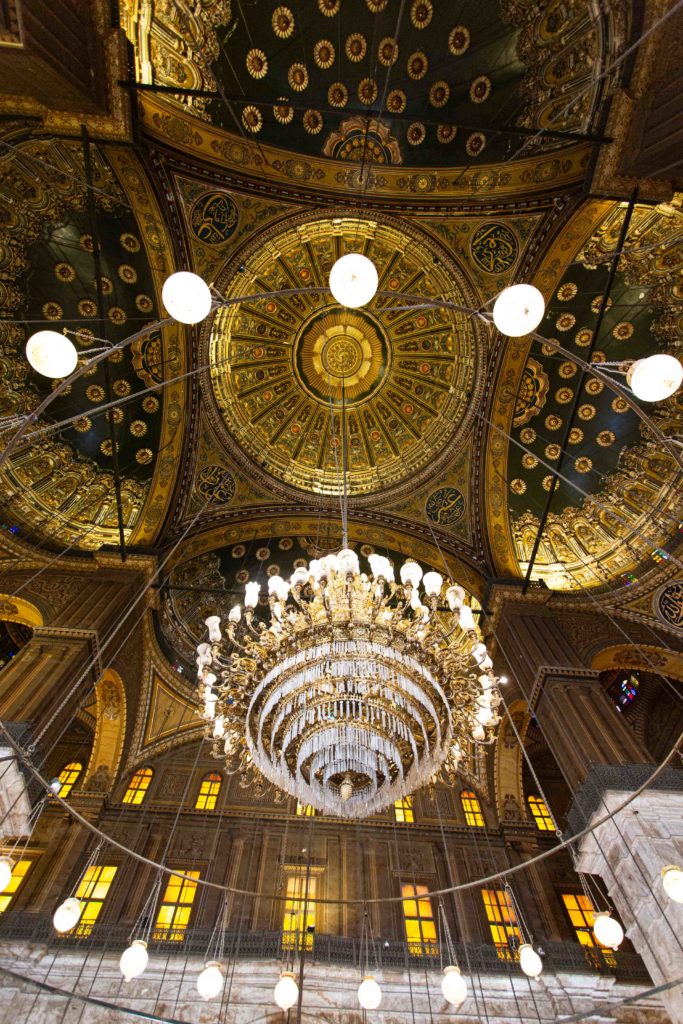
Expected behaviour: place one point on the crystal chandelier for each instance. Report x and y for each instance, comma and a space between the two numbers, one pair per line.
359, 690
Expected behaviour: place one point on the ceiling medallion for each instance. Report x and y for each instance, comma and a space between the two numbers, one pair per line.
359, 691
408, 376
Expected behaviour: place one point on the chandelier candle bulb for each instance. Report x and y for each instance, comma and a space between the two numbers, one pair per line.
672, 880
607, 930
455, 597
67, 915
518, 310
6, 865
369, 994
353, 280
466, 618
210, 981
432, 583
530, 961
286, 991
213, 624
186, 297
134, 960
453, 986
410, 573
251, 594
51, 354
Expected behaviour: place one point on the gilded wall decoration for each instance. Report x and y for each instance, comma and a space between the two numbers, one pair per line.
668, 604
361, 135
409, 378
494, 247
533, 390
446, 506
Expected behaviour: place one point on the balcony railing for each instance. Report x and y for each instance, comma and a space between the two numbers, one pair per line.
333, 949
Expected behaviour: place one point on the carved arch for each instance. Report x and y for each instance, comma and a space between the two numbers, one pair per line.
509, 788
669, 663
16, 609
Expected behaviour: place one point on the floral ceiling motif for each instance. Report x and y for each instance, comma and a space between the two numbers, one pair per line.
279, 365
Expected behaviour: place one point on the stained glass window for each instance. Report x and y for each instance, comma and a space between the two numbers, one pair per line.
176, 907
419, 920
628, 691
208, 792
138, 786
299, 916
472, 808
403, 810
544, 822
68, 777
19, 872
502, 920
92, 890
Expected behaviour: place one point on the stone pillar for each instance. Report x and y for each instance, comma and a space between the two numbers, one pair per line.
629, 853
581, 724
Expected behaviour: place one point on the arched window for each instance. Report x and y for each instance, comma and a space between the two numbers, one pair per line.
138, 786
305, 810
472, 808
68, 777
208, 792
542, 816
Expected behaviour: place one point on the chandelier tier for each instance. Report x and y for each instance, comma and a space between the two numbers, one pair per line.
359, 690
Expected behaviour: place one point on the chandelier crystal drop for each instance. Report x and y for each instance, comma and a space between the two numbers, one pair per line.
353, 280
358, 691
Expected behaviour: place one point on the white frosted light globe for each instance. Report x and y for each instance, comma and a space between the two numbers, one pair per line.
369, 994
518, 310
672, 880
134, 960
67, 914
6, 865
210, 981
353, 280
655, 378
286, 991
529, 960
453, 986
51, 354
186, 297
607, 930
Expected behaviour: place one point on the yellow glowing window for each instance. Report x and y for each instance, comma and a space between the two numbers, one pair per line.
418, 919
502, 920
403, 810
472, 808
208, 792
19, 872
304, 810
299, 919
544, 822
581, 910
92, 891
68, 776
176, 907
138, 786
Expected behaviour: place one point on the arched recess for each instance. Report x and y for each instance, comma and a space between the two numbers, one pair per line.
647, 657
110, 732
15, 609
510, 801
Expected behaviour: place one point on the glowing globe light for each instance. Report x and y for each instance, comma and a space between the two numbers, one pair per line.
453, 986
672, 880
55, 786
186, 297
51, 354
6, 865
369, 994
518, 310
67, 914
655, 378
286, 991
607, 931
529, 960
353, 280
210, 981
134, 960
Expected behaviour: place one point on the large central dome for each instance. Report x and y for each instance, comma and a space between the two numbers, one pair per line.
279, 366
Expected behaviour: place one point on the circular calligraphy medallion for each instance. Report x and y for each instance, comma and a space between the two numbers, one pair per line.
494, 247
445, 506
213, 218
669, 604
